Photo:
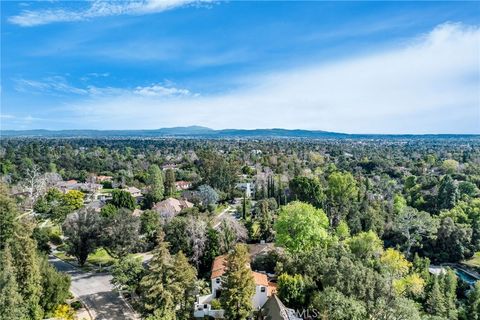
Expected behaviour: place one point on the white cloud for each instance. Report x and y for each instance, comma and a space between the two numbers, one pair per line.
59, 85
97, 8
53, 84
158, 90
426, 86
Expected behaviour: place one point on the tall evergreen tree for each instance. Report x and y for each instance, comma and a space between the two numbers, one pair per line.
238, 285
26, 261
448, 194
155, 183
170, 182
473, 303
183, 286
450, 291
8, 213
435, 303
158, 300
11, 301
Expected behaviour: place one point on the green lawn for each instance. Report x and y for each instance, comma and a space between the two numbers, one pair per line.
97, 258
220, 208
473, 261
100, 256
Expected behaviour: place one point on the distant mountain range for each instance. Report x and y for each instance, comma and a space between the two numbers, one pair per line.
204, 132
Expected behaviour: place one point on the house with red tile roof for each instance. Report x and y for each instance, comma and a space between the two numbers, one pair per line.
263, 290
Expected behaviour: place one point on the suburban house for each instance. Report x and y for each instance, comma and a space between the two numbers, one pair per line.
169, 166
247, 187
100, 179
274, 309
65, 186
135, 192
171, 207
263, 290
87, 187
183, 185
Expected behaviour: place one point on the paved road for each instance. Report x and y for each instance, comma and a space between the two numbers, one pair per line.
96, 291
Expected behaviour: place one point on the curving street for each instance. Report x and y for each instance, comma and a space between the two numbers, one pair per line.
96, 292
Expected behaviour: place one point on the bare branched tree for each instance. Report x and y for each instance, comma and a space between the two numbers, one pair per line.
197, 233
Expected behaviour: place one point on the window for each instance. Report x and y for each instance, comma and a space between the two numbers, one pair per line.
262, 289
218, 280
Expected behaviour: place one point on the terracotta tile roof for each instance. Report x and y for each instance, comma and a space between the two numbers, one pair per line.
218, 266
260, 279
272, 288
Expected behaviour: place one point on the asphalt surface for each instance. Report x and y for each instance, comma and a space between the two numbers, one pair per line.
96, 292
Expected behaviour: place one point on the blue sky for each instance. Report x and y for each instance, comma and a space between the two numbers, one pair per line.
357, 67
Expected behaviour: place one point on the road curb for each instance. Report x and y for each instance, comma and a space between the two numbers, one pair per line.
83, 302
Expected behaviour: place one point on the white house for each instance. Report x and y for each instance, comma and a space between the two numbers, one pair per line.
183, 185
247, 187
203, 307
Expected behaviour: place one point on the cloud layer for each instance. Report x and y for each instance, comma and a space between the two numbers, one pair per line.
428, 85
97, 8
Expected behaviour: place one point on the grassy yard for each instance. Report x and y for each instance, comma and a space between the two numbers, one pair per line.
474, 261
100, 256
95, 259
220, 208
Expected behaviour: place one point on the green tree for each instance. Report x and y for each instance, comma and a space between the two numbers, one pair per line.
342, 190
300, 226
264, 210
127, 273
473, 303
73, 199
157, 298
83, 230
333, 305
342, 231
453, 241
11, 301
155, 183
307, 190
55, 286
149, 224
366, 245
212, 250
122, 199
218, 171
208, 196
108, 211
450, 166
8, 215
121, 233
413, 226
292, 290
435, 303
27, 266
170, 179
183, 286
238, 286
449, 280
468, 188
448, 194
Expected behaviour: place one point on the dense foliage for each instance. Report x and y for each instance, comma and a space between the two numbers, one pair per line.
356, 223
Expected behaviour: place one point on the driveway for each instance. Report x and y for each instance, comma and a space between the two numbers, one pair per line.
96, 292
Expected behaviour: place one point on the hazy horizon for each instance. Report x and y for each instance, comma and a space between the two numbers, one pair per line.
361, 68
